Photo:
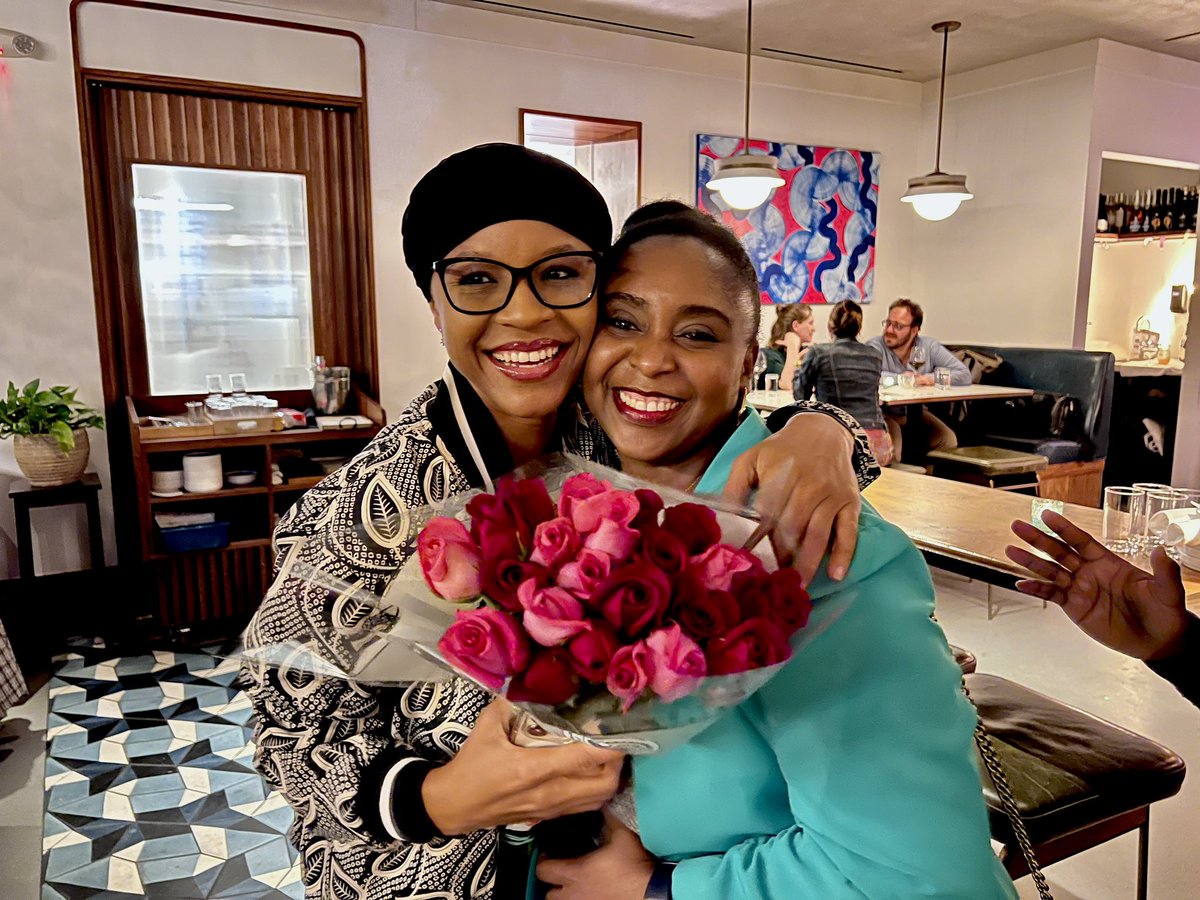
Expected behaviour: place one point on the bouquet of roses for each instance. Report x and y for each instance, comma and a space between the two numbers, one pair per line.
609, 611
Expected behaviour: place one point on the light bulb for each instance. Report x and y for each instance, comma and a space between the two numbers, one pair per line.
745, 191
936, 207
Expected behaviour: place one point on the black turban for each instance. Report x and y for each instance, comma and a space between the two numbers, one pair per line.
492, 183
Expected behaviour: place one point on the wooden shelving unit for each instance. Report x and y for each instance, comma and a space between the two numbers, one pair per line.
220, 589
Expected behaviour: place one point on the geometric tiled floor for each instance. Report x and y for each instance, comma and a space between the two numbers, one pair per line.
150, 785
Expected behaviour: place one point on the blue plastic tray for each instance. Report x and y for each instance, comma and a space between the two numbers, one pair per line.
207, 536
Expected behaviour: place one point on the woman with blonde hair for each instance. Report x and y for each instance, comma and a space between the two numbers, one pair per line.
790, 336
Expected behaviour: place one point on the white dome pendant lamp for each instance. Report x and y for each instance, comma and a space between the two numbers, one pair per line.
937, 196
746, 181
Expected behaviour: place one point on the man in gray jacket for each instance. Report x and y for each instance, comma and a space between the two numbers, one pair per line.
904, 350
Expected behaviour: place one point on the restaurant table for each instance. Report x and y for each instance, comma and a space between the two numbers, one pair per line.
769, 401
964, 528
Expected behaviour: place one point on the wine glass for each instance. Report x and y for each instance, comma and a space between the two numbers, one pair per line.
760, 366
917, 357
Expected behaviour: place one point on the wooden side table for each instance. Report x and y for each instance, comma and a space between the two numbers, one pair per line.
26, 497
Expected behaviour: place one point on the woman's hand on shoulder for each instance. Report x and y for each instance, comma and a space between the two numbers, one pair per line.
494, 782
803, 481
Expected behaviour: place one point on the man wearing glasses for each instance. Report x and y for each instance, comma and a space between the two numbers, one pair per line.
904, 350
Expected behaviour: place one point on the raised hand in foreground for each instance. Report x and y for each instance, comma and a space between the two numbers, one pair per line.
1138, 613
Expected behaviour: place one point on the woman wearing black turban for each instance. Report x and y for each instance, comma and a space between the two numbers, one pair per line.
399, 793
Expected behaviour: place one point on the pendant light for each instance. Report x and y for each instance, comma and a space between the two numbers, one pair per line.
937, 196
746, 181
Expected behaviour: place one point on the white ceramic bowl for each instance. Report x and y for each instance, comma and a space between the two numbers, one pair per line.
241, 477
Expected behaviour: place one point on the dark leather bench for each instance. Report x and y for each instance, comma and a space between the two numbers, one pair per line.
1078, 780
1076, 463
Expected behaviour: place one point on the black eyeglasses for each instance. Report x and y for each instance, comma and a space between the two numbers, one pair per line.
895, 326
478, 286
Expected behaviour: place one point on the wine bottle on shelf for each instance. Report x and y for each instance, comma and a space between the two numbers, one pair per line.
1103, 214
1119, 215
1169, 211
1136, 214
1156, 211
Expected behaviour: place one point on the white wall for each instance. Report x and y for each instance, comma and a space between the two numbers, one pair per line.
1004, 268
1131, 280
440, 78
1148, 105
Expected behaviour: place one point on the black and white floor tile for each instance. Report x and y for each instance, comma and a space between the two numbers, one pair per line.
150, 785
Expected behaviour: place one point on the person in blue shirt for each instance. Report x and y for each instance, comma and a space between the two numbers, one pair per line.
852, 773
905, 350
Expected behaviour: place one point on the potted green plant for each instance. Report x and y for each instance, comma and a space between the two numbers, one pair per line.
48, 432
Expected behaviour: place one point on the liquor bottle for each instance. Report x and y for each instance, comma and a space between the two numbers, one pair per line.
1169, 211
1136, 214
1119, 223
1187, 215
1103, 212
1155, 211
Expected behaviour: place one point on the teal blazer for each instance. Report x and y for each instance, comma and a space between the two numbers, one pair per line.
852, 773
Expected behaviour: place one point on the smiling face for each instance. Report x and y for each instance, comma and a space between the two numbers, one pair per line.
522, 360
670, 357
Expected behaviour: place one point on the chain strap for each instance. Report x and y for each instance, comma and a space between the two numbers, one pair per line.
991, 761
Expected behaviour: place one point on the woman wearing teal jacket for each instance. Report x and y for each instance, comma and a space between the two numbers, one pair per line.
852, 773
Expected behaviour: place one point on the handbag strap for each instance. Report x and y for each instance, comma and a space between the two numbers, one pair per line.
1137, 326
991, 761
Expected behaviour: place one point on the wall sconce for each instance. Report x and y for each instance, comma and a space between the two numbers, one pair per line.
14, 44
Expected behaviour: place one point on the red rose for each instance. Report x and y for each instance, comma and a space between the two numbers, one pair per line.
779, 596
584, 576
754, 644
703, 613
592, 651
489, 509
664, 550
693, 524
634, 597
629, 673
528, 503
649, 506
487, 644
497, 542
502, 579
550, 679
579, 487
555, 542
449, 559
717, 566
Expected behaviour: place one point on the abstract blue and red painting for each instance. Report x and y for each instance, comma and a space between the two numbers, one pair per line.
814, 240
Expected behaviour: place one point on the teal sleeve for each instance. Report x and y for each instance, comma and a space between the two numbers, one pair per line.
874, 739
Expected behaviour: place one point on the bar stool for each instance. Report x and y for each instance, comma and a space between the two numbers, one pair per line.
26, 497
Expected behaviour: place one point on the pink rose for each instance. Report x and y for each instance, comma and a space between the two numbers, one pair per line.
449, 559
550, 679
529, 504
555, 542
629, 673
634, 598
502, 579
754, 644
592, 651
664, 550
552, 615
779, 596
486, 644
678, 663
650, 505
619, 506
694, 524
584, 576
579, 487
716, 567
613, 539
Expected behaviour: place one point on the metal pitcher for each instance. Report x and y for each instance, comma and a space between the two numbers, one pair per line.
331, 386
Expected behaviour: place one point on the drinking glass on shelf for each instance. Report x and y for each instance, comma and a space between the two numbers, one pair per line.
237, 383
941, 377
1120, 509
212, 384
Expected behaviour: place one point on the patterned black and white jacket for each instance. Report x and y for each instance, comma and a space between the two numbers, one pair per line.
329, 745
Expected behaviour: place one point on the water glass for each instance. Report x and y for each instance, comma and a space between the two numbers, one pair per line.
1158, 500
772, 382
195, 413
1120, 511
908, 379
1138, 541
212, 384
941, 377
237, 383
